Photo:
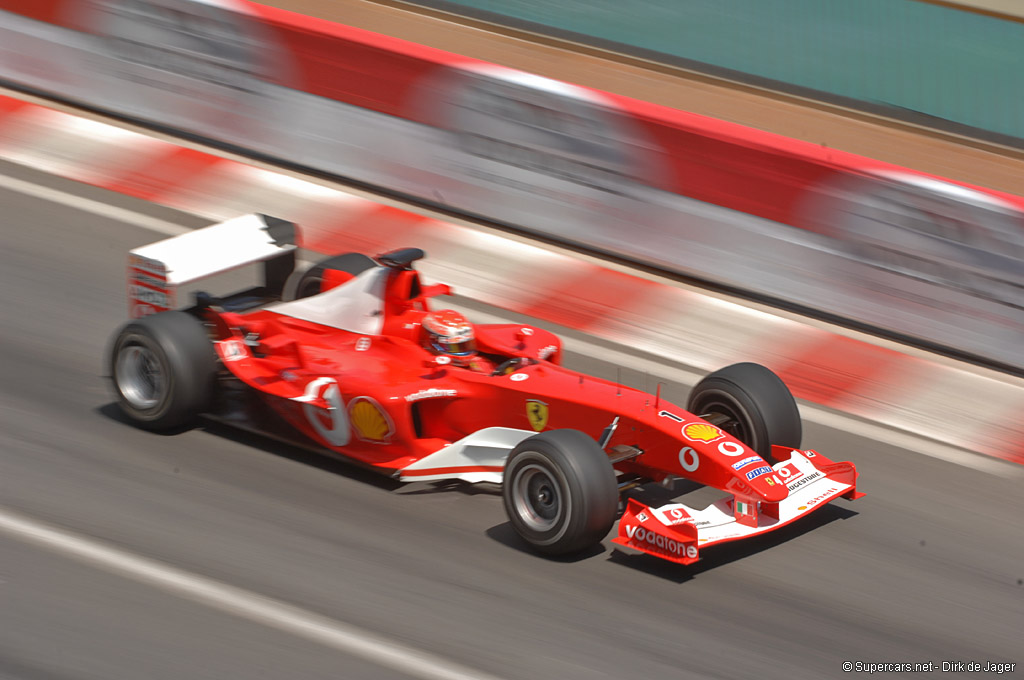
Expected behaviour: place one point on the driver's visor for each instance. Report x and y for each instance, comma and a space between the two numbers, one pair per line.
455, 347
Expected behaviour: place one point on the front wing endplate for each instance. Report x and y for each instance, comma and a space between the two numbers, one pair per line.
677, 532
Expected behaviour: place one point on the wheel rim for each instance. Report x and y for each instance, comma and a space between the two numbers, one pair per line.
727, 417
140, 377
537, 498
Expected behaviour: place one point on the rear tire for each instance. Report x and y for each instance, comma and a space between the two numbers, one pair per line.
752, 404
164, 370
560, 492
308, 283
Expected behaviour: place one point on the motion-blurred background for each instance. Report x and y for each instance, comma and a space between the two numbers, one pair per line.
832, 187
903, 237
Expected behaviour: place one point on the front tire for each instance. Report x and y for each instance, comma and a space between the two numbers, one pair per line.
752, 404
560, 492
164, 370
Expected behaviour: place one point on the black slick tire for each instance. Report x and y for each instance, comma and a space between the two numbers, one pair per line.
560, 492
164, 370
752, 404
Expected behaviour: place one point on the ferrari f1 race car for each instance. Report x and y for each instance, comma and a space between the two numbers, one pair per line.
334, 356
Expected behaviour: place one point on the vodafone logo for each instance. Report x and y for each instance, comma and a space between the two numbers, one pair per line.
688, 459
730, 449
674, 516
334, 428
643, 536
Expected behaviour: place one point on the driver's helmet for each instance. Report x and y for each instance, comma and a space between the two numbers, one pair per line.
448, 333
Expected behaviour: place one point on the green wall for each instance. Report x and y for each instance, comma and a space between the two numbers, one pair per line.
955, 65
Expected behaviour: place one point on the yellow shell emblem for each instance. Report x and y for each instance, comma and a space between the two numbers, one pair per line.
702, 432
369, 421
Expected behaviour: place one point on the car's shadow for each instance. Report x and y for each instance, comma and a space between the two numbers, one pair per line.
720, 555
710, 558
503, 533
305, 455
450, 486
111, 411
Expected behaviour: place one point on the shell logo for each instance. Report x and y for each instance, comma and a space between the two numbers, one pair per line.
702, 432
369, 421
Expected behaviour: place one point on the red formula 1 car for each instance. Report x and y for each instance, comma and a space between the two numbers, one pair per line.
337, 353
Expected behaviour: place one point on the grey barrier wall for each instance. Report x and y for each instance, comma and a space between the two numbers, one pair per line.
923, 258
950, 64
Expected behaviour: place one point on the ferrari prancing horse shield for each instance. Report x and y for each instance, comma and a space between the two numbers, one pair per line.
537, 413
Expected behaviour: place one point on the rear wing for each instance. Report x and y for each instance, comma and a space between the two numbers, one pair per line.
157, 272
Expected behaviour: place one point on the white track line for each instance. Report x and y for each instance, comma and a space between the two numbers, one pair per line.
238, 602
91, 206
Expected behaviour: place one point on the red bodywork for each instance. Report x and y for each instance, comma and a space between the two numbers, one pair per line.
385, 401
348, 368
400, 405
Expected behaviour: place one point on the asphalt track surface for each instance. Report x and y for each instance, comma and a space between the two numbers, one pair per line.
214, 554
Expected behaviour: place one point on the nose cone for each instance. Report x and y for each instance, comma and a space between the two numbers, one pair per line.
769, 487
760, 482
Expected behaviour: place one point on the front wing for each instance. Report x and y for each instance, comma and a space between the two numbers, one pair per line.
678, 533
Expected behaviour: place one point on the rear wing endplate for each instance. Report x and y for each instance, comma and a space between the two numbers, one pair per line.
157, 271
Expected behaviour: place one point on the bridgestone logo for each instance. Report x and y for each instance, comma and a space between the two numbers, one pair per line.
805, 480
641, 535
